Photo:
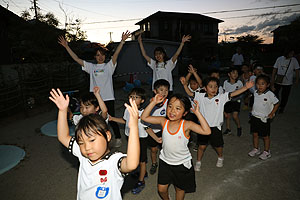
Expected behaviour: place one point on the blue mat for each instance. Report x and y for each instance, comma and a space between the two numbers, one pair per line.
50, 129
10, 156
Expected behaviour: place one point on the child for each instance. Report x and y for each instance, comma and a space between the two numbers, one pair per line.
90, 105
211, 107
216, 74
232, 106
245, 77
264, 108
175, 160
101, 75
194, 80
161, 87
139, 96
257, 70
161, 66
101, 173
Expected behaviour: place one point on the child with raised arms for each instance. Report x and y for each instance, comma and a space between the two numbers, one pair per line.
162, 66
212, 107
101, 75
264, 109
175, 164
101, 173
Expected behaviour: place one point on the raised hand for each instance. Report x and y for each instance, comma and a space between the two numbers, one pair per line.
62, 41
192, 69
186, 38
195, 109
249, 84
58, 98
158, 98
96, 90
133, 112
183, 81
125, 35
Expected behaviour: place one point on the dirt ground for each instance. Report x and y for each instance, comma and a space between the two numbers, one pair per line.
50, 172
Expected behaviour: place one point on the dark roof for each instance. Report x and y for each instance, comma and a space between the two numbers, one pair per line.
188, 16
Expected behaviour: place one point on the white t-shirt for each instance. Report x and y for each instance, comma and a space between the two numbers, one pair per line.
77, 118
263, 104
237, 59
162, 71
101, 75
281, 65
142, 131
159, 111
179, 155
212, 109
101, 180
228, 87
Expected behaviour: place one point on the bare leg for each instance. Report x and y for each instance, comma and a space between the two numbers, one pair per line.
142, 171
219, 151
179, 193
267, 143
163, 191
200, 152
154, 154
255, 140
236, 118
227, 117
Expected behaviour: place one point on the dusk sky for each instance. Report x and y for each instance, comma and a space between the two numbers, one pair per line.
99, 17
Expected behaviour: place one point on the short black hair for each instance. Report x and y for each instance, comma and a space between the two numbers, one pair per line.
161, 82
183, 99
213, 70
138, 91
263, 77
89, 99
211, 79
231, 69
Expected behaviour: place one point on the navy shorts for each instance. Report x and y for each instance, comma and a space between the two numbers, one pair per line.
257, 126
151, 142
178, 175
215, 138
232, 106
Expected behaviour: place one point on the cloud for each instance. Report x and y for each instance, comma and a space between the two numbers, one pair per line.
239, 30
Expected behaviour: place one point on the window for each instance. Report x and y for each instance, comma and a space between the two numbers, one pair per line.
148, 26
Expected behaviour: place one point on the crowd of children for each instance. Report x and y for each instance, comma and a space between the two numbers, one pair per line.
166, 124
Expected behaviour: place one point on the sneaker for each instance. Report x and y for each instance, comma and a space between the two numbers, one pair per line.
118, 142
195, 148
220, 162
227, 132
239, 132
153, 168
139, 186
254, 152
265, 155
198, 166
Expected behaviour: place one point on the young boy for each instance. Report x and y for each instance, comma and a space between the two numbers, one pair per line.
161, 87
264, 108
216, 74
232, 106
211, 106
139, 96
257, 70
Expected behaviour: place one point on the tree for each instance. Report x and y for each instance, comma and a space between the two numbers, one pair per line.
74, 32
250, 39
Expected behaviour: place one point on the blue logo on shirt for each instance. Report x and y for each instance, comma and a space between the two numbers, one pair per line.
102, 192
163, 111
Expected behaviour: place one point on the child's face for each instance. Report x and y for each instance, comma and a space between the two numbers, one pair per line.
138, 99
159, 56
211, 89
100, 58
257, 71
261, 85
245, 68
233, 75
93, 147
175, 109
88, 109
162, 90
215, 75
194, 84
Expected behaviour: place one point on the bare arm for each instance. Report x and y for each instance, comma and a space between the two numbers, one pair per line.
131, 162
185, 38
62, 41
143, 49
185, 86
117, 119
275, 108
274, 72
247, 86
100, 102
146, 114
153, 135
194, 72
120, 46
62, 123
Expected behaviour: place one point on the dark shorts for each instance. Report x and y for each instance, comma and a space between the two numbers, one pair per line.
257, 126
151, 142
178, 175
215, 138
143, 149
232, 106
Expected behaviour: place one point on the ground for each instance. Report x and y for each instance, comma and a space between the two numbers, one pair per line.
50, 172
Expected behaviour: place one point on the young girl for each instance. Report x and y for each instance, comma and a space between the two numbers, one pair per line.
175, 164
264, 108
161, 66
101, 173
101, 75
90, 104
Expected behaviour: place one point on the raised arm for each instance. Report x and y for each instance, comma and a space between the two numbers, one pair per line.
194, 72
153, 119
143, 49
247, 86
63, 42
117, 119
101, 103
203, 128
131, 162
185, 38
185, 86
120, 46
62, 123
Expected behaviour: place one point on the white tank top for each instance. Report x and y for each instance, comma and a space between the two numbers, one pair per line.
175, 145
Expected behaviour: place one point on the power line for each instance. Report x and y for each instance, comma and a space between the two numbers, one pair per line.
260, 15
120, 20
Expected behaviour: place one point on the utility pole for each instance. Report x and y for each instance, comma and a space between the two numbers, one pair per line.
35, 9
110, 39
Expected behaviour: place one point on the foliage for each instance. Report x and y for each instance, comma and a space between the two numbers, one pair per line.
74, 32
250, 39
